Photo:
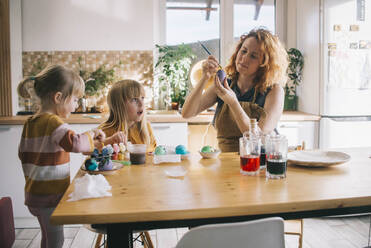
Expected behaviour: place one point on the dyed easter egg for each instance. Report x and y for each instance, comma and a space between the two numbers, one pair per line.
207, 149
104, 152
108, 165
95, 153
160, 150
180, 149
221, 74
116, 148
109, 150
91, 164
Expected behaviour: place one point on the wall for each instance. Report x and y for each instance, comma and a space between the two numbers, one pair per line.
15, 49
61, 25
78, 25
308, 41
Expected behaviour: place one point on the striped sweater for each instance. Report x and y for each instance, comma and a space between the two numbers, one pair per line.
44, 152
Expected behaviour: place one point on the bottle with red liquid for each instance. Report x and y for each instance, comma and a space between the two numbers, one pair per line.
249, 156
255, 133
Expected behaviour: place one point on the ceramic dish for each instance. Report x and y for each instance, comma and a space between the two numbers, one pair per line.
115, 166
317, 158
210, 154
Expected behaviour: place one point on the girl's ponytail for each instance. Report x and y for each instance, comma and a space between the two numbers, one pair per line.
24, 85
52, 79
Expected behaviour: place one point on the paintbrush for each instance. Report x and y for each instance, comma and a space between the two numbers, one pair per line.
208, 52
220, 72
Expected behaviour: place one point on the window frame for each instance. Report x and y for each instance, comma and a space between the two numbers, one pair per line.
226, 21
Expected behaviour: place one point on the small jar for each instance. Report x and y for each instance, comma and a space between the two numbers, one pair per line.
276, 150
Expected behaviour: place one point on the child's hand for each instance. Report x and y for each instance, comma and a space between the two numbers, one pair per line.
99, 135
117, 138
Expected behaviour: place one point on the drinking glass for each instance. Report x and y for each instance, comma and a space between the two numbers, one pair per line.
137, 153
276, 149
249, 156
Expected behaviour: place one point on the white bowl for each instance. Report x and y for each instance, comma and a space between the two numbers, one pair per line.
210, 154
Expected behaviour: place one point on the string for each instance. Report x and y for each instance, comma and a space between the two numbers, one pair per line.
205, 133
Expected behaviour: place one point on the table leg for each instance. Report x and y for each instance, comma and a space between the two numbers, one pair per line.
119, 235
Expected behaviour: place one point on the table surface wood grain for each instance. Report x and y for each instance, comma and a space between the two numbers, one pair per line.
214, 188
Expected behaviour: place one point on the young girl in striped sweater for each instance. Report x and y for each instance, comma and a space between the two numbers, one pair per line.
46, 142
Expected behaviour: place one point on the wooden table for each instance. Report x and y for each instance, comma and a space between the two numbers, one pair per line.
214, 191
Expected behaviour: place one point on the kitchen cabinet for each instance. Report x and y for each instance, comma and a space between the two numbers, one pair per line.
299, 131
11, 175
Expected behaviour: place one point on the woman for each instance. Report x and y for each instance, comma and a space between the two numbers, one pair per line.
254, 88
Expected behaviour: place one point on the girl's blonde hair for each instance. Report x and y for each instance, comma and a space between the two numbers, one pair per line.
273, 70
120, 93
53, 79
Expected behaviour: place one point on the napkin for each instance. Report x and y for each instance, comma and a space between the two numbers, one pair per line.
90, 186
167, 158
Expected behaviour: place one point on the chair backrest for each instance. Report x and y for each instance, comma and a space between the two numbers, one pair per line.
7, 232
263, 233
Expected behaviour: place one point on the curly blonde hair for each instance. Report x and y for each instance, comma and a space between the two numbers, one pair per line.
273, 70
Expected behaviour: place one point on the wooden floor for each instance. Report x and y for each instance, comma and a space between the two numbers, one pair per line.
345, 232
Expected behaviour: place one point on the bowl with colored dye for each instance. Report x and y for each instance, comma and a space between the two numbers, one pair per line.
209, 152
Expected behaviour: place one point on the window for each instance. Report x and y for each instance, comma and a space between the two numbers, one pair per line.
217, 23
250, 14
190, 21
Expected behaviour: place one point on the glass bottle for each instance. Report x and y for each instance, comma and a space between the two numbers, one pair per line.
255, 133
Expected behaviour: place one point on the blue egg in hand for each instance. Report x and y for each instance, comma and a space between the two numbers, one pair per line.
221, 75
180, 149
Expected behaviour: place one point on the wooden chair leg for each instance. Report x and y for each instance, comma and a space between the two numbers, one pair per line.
295, 227
146, 239
301, 235
99, 239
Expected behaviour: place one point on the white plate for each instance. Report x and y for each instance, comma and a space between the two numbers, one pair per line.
317, 158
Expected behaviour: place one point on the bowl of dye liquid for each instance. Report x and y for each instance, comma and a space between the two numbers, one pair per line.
209, 152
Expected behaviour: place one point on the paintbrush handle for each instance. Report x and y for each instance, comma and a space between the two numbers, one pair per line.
208, 52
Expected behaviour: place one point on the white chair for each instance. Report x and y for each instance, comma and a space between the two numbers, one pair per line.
263, 233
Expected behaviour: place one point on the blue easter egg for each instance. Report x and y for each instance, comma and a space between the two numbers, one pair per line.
105, 152
95, 153
180, 149
221, 75
91, 164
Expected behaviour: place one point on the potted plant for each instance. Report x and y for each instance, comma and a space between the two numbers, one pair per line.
172, 71
96, 84
295, 73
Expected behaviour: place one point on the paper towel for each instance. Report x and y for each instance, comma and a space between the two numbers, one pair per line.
90, 186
